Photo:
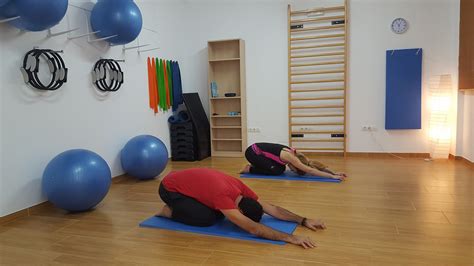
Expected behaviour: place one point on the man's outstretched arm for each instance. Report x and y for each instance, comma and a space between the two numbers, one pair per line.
284, 214
260, 230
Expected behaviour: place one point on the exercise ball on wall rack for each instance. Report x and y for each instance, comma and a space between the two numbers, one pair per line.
119, 18
34, 15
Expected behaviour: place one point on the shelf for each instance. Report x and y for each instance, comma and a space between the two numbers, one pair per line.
226, 68
226, 127
226, 116
224, 60
225, 98
218, 153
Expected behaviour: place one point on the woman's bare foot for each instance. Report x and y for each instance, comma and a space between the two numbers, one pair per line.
165, 212
245, 170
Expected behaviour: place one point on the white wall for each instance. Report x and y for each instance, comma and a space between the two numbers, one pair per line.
263, 27
35, 127
465, 133
433, 27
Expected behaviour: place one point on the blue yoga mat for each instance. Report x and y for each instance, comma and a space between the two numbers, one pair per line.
403, 98
289, 175
224, 228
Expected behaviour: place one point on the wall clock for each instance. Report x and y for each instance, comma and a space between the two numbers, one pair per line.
399, 25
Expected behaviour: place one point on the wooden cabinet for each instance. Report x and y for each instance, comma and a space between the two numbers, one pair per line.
228, 114
466, 46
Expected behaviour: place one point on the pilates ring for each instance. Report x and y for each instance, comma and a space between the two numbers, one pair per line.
107, 69
57, 68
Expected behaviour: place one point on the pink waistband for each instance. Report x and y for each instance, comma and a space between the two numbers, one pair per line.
270, 156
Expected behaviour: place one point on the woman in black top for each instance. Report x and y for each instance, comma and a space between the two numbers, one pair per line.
272, 159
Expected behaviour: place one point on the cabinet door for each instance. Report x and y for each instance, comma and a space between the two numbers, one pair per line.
466, 45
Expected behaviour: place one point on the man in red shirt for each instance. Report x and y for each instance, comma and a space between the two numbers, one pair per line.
200, 197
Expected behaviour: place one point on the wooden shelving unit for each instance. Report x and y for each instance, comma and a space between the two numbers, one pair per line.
317, 78
227, 69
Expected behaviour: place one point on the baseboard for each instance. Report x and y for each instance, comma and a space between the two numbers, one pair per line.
388, 155
23, 213
371, 154
28, 211
462, 159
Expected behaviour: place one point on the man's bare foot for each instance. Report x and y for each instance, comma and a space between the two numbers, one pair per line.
165, 212
245, 170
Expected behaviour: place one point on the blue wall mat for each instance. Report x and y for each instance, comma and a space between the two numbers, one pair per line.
403, 84
289, 175
224, 228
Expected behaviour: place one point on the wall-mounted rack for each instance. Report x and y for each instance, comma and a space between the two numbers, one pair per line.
317, 78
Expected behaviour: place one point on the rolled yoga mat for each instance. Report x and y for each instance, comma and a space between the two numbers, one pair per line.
181, 117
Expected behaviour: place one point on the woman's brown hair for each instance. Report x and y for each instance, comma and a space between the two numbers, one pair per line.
306, 161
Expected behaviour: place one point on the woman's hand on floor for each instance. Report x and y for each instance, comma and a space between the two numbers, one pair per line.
340, 177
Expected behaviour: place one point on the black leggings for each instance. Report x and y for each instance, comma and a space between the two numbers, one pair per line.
187, 210
263, 165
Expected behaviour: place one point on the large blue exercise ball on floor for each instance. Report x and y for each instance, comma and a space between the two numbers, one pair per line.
4, 2
35, 15
144, 157
117, 17
76, 180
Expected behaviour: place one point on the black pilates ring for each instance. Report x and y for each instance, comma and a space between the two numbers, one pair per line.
57, 67
107, 69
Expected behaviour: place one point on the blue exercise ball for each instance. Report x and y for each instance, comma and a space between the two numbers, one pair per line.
76, 180
117, 17
3, 2
35, 15
144, 157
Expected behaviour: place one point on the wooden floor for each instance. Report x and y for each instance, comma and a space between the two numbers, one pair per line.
390, 211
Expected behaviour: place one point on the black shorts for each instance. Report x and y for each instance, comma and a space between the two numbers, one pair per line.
259, 164
188, 210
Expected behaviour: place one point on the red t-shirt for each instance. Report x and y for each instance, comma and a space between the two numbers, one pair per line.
210, 187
